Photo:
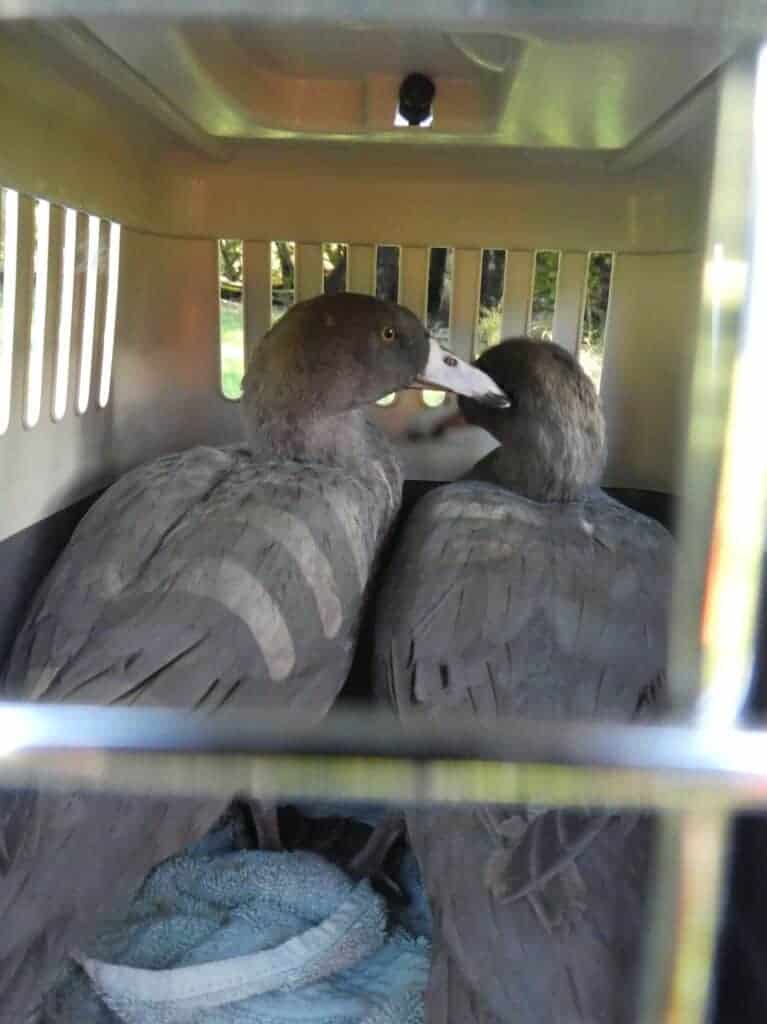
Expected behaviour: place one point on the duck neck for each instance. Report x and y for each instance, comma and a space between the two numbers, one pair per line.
534, 479
308, 435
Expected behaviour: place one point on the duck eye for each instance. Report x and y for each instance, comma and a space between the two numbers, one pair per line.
388, 334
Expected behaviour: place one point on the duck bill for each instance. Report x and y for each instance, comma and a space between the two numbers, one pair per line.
446, 372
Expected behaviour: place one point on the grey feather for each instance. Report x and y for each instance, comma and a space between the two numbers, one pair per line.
545, 611
184, 587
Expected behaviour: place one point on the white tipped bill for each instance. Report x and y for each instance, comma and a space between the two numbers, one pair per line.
446, 372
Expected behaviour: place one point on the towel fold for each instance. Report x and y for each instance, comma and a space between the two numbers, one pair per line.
218, 936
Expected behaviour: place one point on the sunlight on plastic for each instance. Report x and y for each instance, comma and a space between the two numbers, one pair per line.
732, 589
19, 728
679, 976
10, 227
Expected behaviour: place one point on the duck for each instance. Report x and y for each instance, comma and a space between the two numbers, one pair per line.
215, 578
523, 590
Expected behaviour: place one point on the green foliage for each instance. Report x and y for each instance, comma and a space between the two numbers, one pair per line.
592, 343
490, 318
592, 347
334, 267
230, 259
231, 381
544, 294
488, 328
232, 348
283, 265
332, 254
597, 294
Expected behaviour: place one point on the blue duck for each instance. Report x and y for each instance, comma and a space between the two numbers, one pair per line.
219, 577
524, 590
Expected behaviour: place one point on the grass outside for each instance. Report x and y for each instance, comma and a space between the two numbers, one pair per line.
591, 353
488, 329
232, 334
488, 333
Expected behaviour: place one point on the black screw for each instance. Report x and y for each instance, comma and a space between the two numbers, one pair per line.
451, 361
416, 95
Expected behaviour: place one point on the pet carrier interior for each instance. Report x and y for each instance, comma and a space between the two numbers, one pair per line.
175, 176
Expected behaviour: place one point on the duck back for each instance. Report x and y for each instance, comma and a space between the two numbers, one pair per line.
493, 606
202, 580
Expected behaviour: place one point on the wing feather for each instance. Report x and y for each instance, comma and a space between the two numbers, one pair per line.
500, 606
201, 580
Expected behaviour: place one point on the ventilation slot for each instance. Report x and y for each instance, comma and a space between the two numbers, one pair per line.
490, 316
387, 273
387, 289
594, 327
439, 300
231, 322
9, 233
544, 298
66, 311
110, 315
34, 383
283, 259
89, 315
440, 293
334, 262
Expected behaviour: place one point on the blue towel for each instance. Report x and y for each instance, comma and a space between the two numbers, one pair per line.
218, 936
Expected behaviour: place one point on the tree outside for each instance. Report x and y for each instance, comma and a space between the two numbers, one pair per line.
592, 345
283, 278
592, 340
231, 318
334, 258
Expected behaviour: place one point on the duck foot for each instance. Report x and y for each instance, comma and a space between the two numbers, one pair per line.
263, 824
369, 862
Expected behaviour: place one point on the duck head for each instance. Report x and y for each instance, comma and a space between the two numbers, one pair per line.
331, 355
552, 435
